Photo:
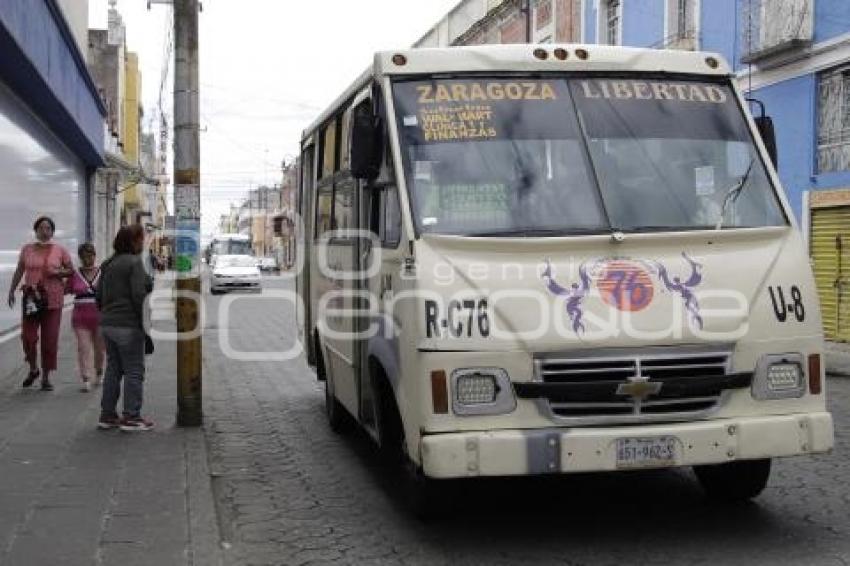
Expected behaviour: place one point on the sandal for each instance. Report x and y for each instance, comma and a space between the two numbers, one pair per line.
31, 377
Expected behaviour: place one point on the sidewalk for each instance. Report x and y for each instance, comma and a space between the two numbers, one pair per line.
71, 494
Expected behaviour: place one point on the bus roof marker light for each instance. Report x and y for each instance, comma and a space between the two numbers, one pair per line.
541, 53
712, 62
399, 59
582, 54
561, 54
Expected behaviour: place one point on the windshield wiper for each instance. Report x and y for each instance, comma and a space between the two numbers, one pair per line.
663, 228
733, 193
532, 232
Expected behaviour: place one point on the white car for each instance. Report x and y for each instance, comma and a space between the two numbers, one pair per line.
268, 264
235, 272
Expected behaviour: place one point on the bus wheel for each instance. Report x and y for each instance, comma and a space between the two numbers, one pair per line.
427, 498
337, 417
387, 418
734, 481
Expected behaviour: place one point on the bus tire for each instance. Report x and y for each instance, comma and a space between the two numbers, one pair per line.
338, 418
734, 482
387, 417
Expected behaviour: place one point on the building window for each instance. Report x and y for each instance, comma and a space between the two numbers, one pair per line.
612, 15
542, 14
834, 121
682, 18
568, 21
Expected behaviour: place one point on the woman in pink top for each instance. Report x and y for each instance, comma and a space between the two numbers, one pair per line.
43, 266
86, 317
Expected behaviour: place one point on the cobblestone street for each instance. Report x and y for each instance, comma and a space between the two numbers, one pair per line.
265, 482
289, 491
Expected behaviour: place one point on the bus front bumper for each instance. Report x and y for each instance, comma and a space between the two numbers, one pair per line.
559, 450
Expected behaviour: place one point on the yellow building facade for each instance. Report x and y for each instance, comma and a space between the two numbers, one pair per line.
130, 127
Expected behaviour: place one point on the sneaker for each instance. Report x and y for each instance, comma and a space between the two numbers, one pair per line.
31, 377
107, 422
86, 386
131, 424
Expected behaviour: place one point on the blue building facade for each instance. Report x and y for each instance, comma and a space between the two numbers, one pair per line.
794, 57
51, 131
786, 69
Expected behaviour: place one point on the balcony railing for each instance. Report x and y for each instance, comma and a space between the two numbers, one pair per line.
771, 27
685, 41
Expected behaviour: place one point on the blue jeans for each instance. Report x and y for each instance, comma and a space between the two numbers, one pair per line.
125, 358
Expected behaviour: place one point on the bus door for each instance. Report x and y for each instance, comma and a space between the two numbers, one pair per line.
380, 264
303, 313
336, 266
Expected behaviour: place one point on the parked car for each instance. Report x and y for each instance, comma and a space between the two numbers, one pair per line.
235, 272
269, 264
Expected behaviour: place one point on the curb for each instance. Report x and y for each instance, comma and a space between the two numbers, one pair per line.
205, 539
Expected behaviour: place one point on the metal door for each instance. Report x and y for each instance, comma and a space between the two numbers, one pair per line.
830, 250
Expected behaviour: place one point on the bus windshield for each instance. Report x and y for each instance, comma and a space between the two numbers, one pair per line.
558, 156
232, 246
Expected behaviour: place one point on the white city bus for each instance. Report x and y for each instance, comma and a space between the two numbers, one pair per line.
551, 259
228, 244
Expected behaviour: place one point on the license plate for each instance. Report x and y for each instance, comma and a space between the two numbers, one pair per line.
646, 452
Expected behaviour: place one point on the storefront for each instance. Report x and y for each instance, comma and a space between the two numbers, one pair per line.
829, 246
51, 133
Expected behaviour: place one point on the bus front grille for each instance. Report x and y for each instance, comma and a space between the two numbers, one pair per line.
652, 385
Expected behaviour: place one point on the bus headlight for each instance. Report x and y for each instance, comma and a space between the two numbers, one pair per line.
782, 377
779, 376
482, 391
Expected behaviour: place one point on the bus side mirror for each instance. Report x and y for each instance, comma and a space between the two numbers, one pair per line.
366, 145
764, 124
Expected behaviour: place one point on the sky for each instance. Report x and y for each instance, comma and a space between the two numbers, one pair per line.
267, 69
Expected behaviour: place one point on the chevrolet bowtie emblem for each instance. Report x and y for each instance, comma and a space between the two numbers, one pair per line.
639, 388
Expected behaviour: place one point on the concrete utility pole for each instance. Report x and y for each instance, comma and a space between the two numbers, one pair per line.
187, 209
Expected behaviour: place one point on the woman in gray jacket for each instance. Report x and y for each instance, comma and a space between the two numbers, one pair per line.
121, 294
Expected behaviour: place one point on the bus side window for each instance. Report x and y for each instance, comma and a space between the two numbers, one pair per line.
325, 187
345, 140
324, 209
343, 205
385, 216
392, 218
376, 208
329, 149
